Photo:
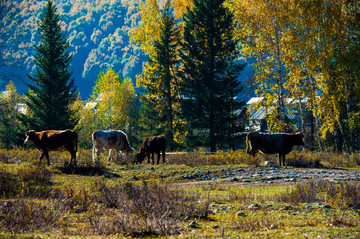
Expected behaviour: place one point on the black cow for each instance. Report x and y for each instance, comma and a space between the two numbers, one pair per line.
151, 145
53, 140
280, 144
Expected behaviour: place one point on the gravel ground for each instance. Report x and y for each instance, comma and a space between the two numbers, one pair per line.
270, 175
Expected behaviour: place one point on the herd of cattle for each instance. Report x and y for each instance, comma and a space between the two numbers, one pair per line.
53, 140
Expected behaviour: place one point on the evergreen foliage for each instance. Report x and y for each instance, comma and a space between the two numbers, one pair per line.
160, 91
210, 72
49, 99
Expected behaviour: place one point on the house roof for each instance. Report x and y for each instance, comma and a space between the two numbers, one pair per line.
260, 112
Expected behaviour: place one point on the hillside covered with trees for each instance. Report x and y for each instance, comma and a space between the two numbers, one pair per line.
98, 32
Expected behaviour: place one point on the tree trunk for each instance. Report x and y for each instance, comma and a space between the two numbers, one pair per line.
341, 129
314, 107
281, 105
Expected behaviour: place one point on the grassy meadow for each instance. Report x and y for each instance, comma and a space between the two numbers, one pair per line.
180, 199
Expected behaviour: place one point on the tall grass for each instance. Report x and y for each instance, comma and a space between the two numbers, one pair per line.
342, 194
198, 157
26, 180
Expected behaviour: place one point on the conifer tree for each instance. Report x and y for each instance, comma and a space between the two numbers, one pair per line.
160, 89
49, 99
210, 72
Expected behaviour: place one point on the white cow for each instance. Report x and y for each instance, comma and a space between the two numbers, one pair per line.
109, 139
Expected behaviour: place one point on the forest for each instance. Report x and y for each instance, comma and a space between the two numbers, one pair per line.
98, 32
303, 50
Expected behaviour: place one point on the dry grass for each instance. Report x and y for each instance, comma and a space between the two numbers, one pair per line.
107, 201
342, 194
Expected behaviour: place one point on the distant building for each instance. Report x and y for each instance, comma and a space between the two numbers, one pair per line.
256, 116
20, 107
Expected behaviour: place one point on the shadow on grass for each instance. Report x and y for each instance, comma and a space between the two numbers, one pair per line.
87, 171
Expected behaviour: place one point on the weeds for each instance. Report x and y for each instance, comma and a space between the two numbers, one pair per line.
23, 215
303, 160
147, 209
343, 194
28, 180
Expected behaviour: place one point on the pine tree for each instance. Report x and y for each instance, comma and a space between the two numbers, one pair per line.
160, 91
167, 58
49, 99
210, 72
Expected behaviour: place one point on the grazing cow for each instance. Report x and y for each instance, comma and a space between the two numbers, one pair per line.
151, 145
53, 140
280, 144
109, 139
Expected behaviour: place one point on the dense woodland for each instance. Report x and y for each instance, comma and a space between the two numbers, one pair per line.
303, 49
98, 33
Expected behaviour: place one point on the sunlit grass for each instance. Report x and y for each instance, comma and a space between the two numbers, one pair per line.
95, 201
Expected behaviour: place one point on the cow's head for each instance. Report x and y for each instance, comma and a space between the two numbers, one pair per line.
299, 139
29, 137
139, 158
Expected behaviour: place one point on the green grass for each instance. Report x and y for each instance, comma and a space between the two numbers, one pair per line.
119, 199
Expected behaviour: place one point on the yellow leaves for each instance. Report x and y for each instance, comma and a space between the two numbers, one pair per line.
112, 100
180, 7
148, 32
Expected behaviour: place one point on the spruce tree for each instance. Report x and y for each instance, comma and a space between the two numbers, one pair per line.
210, 85
160, 91
49, 99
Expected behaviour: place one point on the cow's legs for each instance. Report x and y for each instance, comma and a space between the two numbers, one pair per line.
163, 155
110, 152
41, 157
148, 155
72, 153
281, 158
96, 151
152, 157
158, 157
47, 157
73, 158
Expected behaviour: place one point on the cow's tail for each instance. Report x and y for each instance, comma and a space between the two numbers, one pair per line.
248, 143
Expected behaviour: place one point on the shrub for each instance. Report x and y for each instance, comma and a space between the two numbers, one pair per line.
21, 215
144, 209
26, 179
200, 157
9, 186
345, 194
303, 160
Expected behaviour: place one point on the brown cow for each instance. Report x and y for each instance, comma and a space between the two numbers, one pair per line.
280, 144
151, 145
53, 140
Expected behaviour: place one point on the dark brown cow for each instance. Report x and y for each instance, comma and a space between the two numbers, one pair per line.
280, 144
151, 145
53, 140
